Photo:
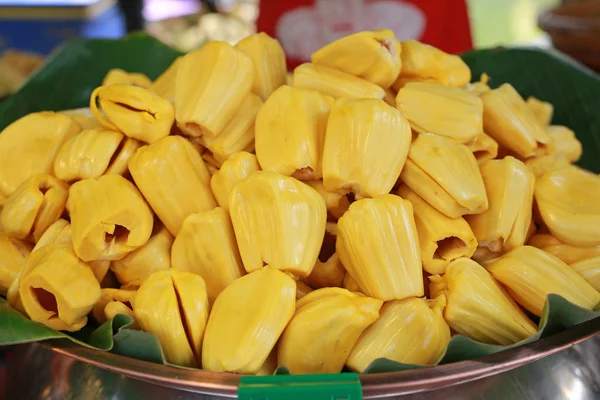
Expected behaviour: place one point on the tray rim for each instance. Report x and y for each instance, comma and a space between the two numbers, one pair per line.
376, 385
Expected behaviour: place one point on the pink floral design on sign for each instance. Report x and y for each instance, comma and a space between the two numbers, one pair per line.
304, 30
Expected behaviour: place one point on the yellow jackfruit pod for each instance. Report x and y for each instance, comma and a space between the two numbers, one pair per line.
14, 256
12, 295
268, 59
164, 85
542, 110
567, 200
371, 55
378, 244
446, 175
328, 270
207, 98
471, 295
483, 254
565, 252
403, 81
531, 231
196, 142
589, 269
83, 116
60, 233
335, 83
442, 110
477, 88
323, 331
319, 295
266, 209
100, 269
565, 142
350, 284
210, 160
390, 97
508, 120
173, 306
269, 366
109, 296
57, 289
509, 185
246, 321
422, 62
113, 308
302, 289
290, 132
138, 113
543, 164
211, 169
442, 239
480, 87
365, 147
39, 136
109, 218
33, 207
483, 148
130, 286
118, 76
87, 155
173, 179
206, 246
154, 255
337, 203
409, 331
120, 159
530, 275
238, 134
251, 148
239, 166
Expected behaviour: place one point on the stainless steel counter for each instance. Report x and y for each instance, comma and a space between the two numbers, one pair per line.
36, 372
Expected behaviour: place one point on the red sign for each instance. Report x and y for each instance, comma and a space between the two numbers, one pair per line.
303, 26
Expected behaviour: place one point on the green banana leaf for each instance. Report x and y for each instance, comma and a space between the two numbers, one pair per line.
573, 89
115, 336
69, 76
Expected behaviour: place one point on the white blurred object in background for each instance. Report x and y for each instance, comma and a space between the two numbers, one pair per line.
304, 30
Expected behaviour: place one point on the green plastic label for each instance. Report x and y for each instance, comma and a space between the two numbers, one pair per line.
301, 387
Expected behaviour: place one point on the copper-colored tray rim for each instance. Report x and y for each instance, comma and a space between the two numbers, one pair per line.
556, 19
374, 385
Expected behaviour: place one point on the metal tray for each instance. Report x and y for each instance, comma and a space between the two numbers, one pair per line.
380, 385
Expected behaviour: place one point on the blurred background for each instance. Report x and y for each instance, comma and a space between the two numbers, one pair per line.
31, 29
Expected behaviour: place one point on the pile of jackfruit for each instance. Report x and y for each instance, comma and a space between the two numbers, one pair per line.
370, 205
